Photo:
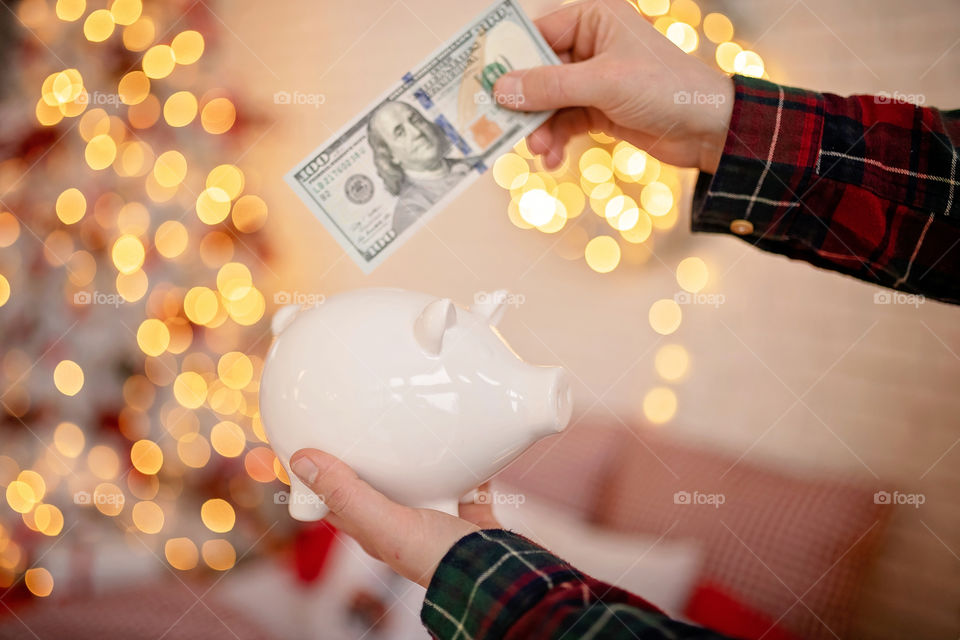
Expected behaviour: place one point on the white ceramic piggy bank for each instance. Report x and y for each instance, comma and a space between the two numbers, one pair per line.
422, 398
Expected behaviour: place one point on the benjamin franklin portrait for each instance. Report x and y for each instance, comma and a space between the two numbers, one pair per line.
409, 152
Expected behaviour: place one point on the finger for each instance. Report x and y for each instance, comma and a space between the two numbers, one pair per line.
480, 514
579, 84
540, 140
564, 125
354, 502
559, 28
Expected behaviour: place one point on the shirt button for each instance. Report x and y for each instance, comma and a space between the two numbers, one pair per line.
741, 227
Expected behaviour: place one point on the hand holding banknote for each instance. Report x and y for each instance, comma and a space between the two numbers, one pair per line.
621, 77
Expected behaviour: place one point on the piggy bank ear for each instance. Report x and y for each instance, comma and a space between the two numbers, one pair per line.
491, 305
432, 323
283, 317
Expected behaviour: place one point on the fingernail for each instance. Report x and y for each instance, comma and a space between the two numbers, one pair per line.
509, 86
305, 469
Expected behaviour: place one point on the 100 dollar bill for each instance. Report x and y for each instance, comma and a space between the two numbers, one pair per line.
381, 177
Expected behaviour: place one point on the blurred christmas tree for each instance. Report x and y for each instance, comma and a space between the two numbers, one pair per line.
131, 330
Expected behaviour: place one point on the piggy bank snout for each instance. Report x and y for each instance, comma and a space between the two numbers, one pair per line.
558, 405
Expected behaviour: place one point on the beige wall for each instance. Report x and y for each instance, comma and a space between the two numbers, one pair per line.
877, 384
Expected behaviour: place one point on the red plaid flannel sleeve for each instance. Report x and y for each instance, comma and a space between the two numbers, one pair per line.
497, 584
865, 185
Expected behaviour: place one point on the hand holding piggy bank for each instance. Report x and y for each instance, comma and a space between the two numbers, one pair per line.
422, 398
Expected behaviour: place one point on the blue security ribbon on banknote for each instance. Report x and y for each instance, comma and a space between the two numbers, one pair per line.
420, 144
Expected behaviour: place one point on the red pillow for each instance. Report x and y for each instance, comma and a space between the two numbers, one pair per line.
713, 607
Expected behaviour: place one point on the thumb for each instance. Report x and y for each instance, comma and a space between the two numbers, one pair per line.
354, 501
577, 84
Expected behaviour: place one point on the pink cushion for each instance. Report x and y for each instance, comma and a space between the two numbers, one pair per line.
570, 468
770, 537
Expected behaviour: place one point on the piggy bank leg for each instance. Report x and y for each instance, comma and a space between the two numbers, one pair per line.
305, 505
446, 506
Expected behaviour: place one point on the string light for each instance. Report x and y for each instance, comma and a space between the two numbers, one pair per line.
717, 28
659, 405
181, 553
672, 362
218, 515
98, 26
148, 516
69, 440
692, 274
218, 116
159, 61
219, 554
38, 581
4, 290
187, 47
70, 10
665, 316
68, 377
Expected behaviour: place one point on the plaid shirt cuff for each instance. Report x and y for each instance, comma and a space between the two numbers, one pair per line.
862, 185
770, 155
497, 584
487, 581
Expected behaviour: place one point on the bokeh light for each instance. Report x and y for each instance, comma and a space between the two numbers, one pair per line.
148, 516
181, 553
218, 515
602, 254
672, 362
39, 581
659, 405
219, 554
692, 274
665, 316
146, 457
717, 28
68, 377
